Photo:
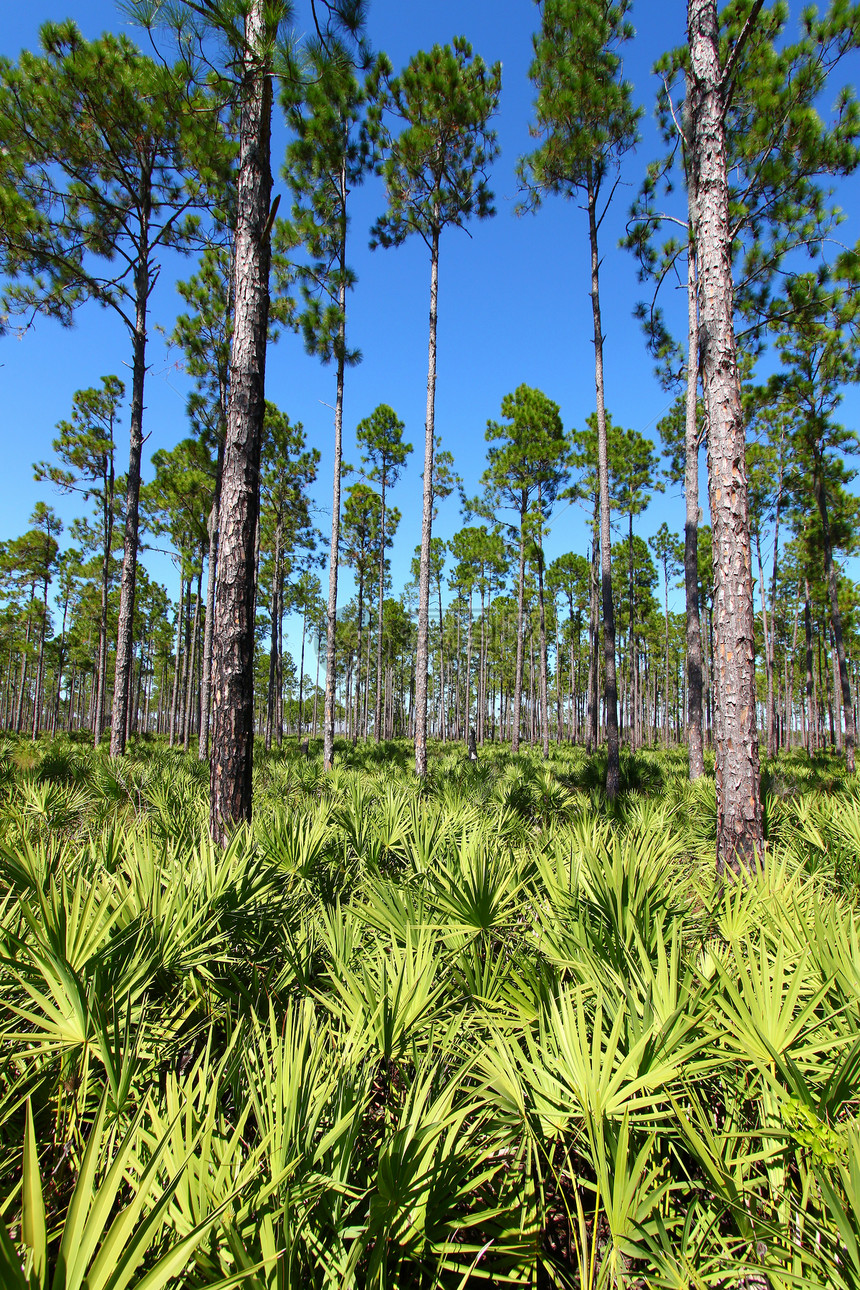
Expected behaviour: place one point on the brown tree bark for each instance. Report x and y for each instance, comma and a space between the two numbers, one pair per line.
740, 837
233, 662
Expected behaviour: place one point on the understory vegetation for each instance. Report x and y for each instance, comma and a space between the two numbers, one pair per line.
485, 1027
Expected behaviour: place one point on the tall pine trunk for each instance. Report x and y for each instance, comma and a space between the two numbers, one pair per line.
377, 711
695, 744
739, 816
331, 611
107, 527
128, 578
422, 653
518, 675
233, 663
610, 682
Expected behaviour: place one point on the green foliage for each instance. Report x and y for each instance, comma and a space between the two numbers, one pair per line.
476, 1027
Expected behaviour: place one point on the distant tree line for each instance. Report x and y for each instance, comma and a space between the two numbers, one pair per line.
111, 158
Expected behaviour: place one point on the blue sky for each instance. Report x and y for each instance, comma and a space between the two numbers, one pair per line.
513, 301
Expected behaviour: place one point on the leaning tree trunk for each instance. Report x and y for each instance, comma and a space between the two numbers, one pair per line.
739, 816
422, 652
128, 579
233, 662
613, 770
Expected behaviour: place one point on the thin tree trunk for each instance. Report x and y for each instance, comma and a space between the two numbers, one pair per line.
211, 580
40, 661
422, 653
695, 745
377, 712
544, 684
832, 580
355, 723
19, 715
766, 629
518, 676
610, 682
186, 733
302, 675
331, 612
273, 642
810, 679
128, 578
175, 695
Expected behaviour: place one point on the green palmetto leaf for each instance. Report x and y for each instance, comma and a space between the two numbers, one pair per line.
600, 1078
101, 1249
74, 920
33, 1226
391, 995
766, 1005
479, 888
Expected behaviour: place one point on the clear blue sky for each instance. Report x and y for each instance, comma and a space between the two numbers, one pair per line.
513, 300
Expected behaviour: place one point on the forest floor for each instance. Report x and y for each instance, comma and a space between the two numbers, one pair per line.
485, 1028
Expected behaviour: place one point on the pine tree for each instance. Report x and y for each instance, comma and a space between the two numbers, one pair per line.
435, 176
86, 446
740, 836
113, 145
585, 121
818, 348
528, 460
381, 434
326, 161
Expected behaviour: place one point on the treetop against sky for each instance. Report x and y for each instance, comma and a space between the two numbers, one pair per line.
513, 301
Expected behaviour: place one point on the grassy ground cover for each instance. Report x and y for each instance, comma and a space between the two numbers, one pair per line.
481, 1029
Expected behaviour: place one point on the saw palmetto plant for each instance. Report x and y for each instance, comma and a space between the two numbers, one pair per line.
489, 1030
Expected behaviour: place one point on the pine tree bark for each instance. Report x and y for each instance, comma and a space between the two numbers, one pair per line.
422, 653
233, 663
740, 836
